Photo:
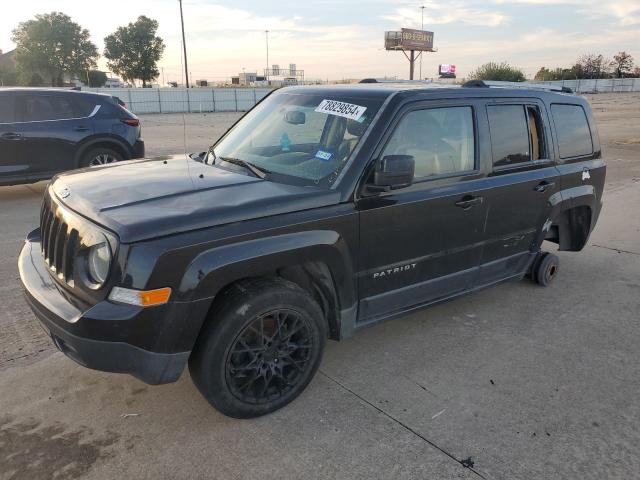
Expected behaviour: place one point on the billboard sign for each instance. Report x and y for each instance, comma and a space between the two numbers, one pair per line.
447, 69
416, 39
409, 39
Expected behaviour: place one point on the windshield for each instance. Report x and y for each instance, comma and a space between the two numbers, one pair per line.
298, 138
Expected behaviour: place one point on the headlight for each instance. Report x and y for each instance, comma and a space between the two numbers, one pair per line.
99, 262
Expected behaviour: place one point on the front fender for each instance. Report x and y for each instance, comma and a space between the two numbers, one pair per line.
212, 270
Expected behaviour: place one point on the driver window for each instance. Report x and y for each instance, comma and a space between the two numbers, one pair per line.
441, 140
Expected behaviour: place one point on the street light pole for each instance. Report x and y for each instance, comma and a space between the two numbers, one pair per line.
266, 32
184, 46
422, 28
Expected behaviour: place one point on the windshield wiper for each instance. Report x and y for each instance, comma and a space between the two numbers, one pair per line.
257, 171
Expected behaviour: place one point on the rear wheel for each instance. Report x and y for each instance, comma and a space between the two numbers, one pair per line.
546, 269
261, 349
100, 156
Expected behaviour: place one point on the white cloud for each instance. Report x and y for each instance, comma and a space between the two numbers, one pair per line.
627, 12
441, 13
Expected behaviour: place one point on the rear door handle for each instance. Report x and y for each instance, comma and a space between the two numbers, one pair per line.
81, 129
468, 201
11, 136
542, 186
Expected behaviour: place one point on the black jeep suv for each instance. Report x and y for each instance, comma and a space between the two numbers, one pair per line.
323, 210
47, 131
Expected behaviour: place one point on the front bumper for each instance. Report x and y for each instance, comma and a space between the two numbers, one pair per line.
90, 335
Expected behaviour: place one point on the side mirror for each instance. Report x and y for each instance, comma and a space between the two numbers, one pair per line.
198, 157
394, 171
295, 117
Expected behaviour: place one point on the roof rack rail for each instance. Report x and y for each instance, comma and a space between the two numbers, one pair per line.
522, 85
390, 80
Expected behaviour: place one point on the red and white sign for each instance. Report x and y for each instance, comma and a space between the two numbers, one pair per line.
446, 68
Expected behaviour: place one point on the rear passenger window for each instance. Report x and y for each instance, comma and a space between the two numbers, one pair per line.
509, 134
34, 108
574, 136
441, 140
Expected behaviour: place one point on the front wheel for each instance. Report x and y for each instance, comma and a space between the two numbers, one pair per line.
261, 349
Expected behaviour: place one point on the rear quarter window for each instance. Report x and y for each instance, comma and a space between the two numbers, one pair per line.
85, 104
572, 127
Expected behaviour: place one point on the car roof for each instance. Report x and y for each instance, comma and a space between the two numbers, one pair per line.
426, 90
61, 91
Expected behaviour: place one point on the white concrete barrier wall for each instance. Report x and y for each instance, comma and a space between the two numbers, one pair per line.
604, 85
175, 100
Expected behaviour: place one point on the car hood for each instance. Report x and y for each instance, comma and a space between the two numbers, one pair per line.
148, 198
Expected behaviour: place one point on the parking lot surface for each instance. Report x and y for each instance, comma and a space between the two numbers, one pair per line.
514, 382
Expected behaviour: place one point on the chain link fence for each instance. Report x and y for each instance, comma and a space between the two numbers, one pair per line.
176, 100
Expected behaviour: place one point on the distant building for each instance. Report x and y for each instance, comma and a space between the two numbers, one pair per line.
114, 82
247, 79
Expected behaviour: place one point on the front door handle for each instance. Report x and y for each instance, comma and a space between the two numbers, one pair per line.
468, 201
11, 136
542, 186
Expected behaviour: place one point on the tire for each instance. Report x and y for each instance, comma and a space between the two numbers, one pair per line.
244, 374
96, 157
546, 269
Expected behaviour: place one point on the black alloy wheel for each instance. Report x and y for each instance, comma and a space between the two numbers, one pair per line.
269, 356
260, 348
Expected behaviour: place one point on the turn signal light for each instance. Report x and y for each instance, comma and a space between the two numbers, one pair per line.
142, 298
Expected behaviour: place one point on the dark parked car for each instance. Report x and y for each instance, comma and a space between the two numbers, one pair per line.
47, 131
322, 211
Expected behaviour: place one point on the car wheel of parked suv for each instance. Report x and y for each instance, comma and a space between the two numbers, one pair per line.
100, 156
261, 348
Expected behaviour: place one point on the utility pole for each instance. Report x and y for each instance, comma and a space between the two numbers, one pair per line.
163, 82
184, 46
421, 28
266, 32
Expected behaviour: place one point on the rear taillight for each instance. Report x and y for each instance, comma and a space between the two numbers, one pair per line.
133, 122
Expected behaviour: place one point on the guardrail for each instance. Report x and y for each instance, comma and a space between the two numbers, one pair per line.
177, 100
601, 85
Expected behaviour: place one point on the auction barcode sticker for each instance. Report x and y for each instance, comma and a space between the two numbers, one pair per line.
341, 109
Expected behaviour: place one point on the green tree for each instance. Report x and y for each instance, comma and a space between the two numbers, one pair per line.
133, 51
622, 64
547, 75
8, 76
97, 78
498, 71
53, 45
35, 80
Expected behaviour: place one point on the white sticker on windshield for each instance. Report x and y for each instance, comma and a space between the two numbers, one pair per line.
341, 109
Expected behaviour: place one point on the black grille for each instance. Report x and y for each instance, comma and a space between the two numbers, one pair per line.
60, 242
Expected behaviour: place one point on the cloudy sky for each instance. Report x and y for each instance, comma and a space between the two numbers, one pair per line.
344, 38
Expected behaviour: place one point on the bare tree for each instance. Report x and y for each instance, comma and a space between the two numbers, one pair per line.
622, 64
593, 66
